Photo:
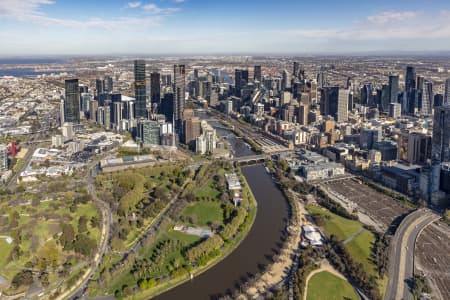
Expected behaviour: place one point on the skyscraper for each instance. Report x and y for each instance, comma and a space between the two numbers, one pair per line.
410, 90
240, 81
179, 87
366, 92
72, 101
393, 88
295, 69
257, 73
155, 90
427, 98
99, 87
139, 89
286, 82
447, 91
329, 101
342, 107
385, 98
108, 84
441, 134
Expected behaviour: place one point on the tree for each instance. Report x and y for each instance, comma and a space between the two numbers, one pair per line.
67, 236
95, 221
82, 224
23, 278
84, 245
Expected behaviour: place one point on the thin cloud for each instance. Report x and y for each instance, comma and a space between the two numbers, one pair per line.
389, 16
178, 1
31, 11
155, 9
134, 4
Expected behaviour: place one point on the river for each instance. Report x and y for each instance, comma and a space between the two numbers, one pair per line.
253, 253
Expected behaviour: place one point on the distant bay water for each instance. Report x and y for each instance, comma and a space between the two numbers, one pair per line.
23, 70
30, 61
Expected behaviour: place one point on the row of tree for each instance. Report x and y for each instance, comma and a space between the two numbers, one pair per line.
204, 248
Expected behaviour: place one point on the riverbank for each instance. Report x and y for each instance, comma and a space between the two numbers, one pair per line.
160, 289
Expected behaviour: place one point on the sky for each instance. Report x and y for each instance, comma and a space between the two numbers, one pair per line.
177, 27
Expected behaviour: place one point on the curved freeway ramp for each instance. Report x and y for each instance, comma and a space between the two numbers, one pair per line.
401, 264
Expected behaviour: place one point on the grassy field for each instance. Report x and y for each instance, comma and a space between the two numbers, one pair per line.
359, 247
335, 225
39, 225
325, 285
177, 235
204, 212
5, 249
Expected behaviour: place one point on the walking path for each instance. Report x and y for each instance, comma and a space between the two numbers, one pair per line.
279, 270
324, 266
353, 236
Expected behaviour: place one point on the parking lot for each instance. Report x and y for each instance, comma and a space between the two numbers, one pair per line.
432, 255
381, 207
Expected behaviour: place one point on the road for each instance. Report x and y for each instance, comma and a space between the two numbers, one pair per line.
77, 289
401, 264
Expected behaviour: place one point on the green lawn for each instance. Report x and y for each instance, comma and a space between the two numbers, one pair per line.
336, 225
5, 249
177, 235
325, 285
360, 247
204, 212
208, 191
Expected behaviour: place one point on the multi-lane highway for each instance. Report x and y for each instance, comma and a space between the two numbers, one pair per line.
401, 265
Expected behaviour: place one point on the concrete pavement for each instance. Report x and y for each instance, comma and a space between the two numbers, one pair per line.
401, 264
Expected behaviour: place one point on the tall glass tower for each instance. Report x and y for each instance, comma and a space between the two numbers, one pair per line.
139, 89
72, 102
179, 87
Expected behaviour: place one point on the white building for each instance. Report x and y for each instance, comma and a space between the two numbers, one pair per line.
3, 158
67, 130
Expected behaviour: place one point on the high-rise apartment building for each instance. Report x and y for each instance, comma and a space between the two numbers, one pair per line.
179, 87
140, 91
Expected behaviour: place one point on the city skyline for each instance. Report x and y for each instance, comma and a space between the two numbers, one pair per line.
232, 27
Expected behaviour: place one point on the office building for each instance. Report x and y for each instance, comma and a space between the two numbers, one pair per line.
369, 137
303, 111
393, 88
385, 98
108, 84
99, 87
366, 92
343, 103
140, 89
441, 134
179, 87
149, 132
395, 110
155, 91
240, 81
168, 106
447, 91
192, 129
286, 81
411, 94
257, 74
427, 97
72, 102
295, 69
414, 147
93, 107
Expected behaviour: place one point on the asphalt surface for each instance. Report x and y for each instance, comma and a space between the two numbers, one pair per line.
401, 264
